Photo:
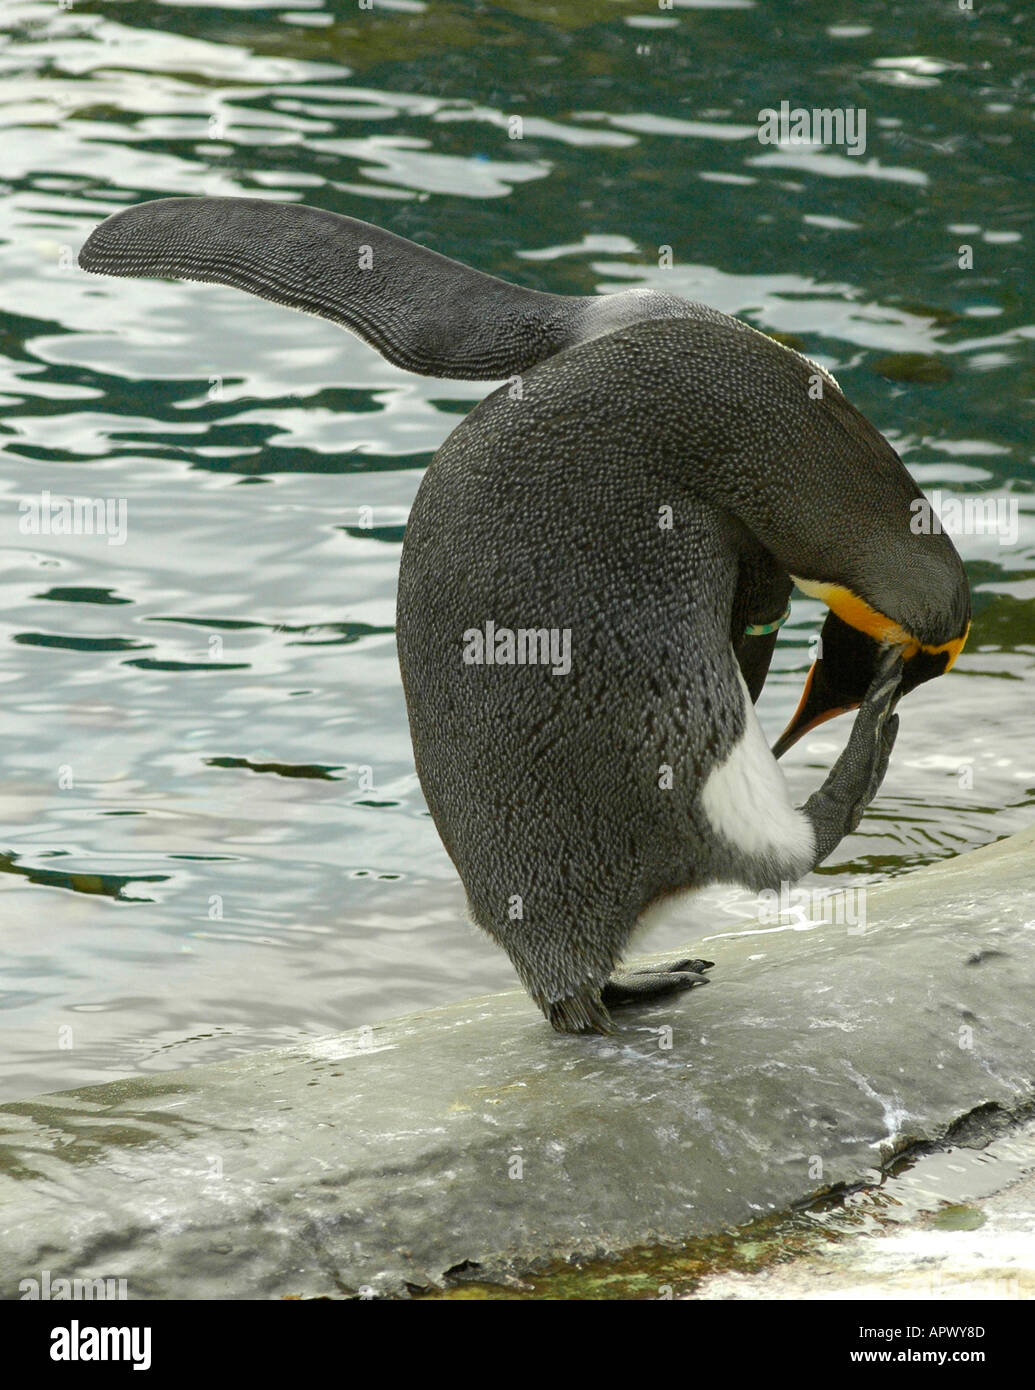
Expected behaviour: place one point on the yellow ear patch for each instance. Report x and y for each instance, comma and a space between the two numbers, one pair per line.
857, 613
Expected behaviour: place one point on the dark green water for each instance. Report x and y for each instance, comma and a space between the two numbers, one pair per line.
186, 716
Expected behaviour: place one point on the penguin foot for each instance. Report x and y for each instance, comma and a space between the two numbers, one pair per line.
854, 780
586, 1012
634, 986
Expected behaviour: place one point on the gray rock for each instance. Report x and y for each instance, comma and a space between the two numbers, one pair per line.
388, 1156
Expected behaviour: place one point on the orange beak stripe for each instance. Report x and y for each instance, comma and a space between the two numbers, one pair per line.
822, 718
813, 723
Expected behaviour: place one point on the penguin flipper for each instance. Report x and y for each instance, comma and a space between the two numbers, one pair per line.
420, 310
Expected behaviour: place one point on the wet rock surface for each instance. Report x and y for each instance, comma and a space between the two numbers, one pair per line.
473, 1139
909, 1242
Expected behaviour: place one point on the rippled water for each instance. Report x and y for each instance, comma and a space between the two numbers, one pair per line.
212, 832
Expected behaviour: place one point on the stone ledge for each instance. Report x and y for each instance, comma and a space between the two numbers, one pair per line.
383, 1158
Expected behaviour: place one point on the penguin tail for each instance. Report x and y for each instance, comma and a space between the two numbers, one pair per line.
580, 1013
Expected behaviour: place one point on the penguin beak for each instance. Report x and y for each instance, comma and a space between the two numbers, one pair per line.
838, 681
819, 702
841, 675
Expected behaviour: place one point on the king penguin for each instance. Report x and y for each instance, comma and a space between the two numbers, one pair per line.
593, 575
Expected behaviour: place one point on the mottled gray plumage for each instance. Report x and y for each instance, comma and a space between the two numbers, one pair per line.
543, 510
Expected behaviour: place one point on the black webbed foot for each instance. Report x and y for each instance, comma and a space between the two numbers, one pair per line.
586, 1011
635, 986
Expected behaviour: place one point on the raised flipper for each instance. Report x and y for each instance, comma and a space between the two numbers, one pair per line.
420, 310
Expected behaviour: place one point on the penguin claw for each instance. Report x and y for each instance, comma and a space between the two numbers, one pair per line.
690, 963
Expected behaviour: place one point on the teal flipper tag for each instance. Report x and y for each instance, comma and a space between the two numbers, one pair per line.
764, 629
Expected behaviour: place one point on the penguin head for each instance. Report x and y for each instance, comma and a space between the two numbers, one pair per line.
853, 638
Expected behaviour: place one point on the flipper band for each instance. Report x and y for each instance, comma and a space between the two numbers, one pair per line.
764, 629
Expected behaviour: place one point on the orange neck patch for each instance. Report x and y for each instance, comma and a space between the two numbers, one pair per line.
857, 613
